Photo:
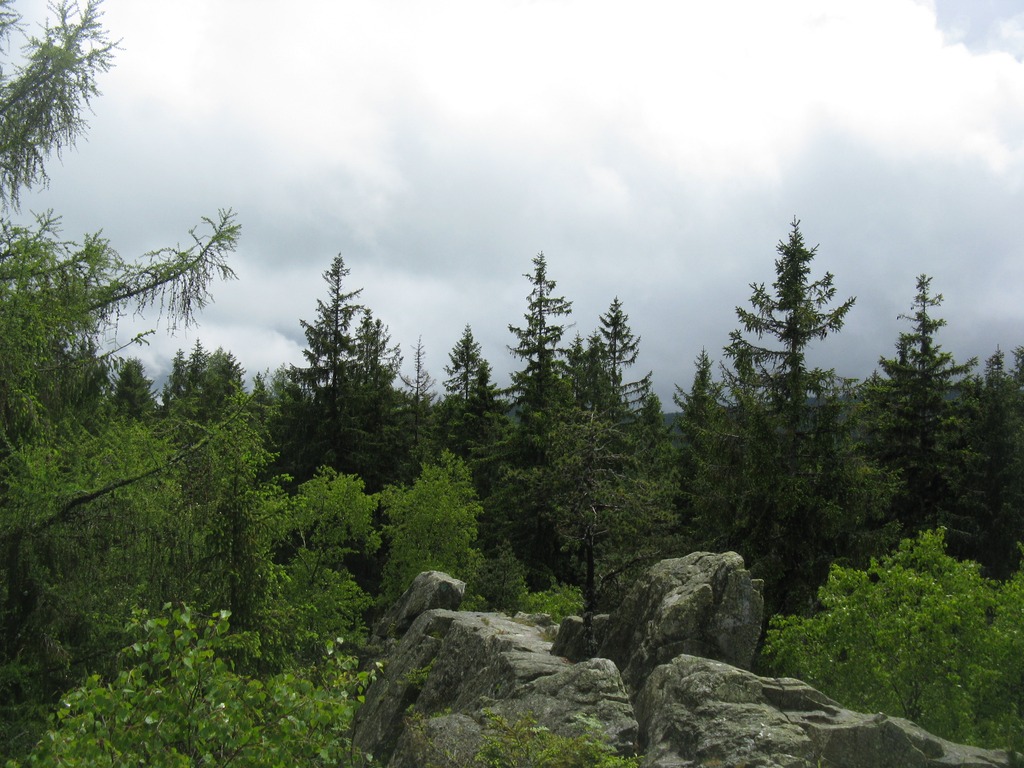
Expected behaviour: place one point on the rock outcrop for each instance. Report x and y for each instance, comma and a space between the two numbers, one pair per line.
670, 683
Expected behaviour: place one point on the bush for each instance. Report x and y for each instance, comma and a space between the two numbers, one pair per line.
919, 635
524, 744
500, 582
558, 601
521, 744
178, 704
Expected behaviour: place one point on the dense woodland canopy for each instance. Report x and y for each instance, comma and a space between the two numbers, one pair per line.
303, 502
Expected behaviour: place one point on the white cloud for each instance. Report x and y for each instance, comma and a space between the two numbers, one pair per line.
655, 151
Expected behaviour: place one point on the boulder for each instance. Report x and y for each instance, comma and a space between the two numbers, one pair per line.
430, 589
699, 712
571, 643
453, 668
682, 640
703, 604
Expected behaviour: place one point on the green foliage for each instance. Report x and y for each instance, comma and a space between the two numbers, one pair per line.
538, 386
178, 703
920, 635
524, 744
432, 526
607, 509
780, 477
329, 519
917, 422
42, 98
500, 581
557, 601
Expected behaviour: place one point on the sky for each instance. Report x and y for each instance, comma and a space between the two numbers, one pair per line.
656, 151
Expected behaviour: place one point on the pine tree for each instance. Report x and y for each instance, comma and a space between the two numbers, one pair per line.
317, 409
593, 387
621, 349
797, 485
381, 448
474, 426
133, 394
704, 443
916, 424
464, 360
420, 395
520, 510
994, 487
539, 386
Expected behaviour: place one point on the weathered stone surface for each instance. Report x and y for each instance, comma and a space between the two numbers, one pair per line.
452, 663
429, 590
698, 712
703, 604
451, 668
570, 642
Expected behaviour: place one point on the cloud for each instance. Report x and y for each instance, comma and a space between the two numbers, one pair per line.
657, 154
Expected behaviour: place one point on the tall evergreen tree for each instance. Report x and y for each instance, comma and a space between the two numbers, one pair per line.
592, 385
472, 417
621, 349
539, 386
521, 511
316, 425
381, 448
419, 391
464, 363
133, 394
994, 488
799, 488
703, 456
917, 422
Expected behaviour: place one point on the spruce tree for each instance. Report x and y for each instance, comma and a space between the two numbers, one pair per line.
420, 396
917, 421
798, 487
132, 394
994, 489
521, 510
540, 385
621, 349
381, 448
317, 409
464, 362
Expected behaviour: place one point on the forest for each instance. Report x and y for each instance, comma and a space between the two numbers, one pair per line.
212, 537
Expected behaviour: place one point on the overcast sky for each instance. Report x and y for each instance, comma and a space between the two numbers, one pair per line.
654, 150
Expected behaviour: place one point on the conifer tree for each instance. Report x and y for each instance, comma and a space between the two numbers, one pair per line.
917, 421
798, 487
472, 417
419, 391
132, 394
464, 361
621, 349
704, 444
993, 498
521, 509
316, 425
539, 386
381, 447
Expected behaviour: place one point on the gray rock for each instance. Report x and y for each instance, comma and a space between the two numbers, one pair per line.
703, 604
698, 712
449, 671
570, 643
464, 663
429, 590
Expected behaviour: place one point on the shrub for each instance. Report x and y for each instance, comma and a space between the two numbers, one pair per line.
919, 635
558, 601
178, 703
